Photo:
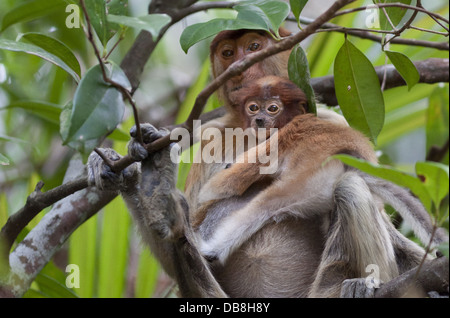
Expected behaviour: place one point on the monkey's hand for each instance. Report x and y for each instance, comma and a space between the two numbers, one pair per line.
357, 288
101, 175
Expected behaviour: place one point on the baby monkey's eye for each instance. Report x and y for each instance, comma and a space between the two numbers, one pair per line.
253, 108
273, 108
254, 46
227, 53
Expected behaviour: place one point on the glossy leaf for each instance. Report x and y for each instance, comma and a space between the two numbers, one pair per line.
395, 14
435, 178
31, 10
96, 10
52, 288
48, 111
405, 67
270, 14
3, 160
38, 51
200, 31
391, 174
152, 23
56, 48
358, 91
98, 107
437, 117
298, 69
297, 7
261, 15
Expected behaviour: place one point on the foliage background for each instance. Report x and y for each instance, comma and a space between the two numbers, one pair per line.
111, 260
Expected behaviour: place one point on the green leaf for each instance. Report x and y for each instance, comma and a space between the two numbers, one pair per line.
3, 160
437, 125
268, 14
297, 7
113, 255
358, 91
97, 106
96, 11
395, 14
83, 249
51, 287
152, 23
30, 10
200, 31
262, 15
55, 47
119, 135
48, 111
435, 178
405, 67
38, 51
443, 248
298, 69
393, 175
147, 275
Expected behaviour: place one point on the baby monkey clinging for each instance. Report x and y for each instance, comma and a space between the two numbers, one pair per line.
269, 102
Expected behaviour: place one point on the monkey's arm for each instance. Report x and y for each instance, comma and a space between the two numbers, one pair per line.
248, 170
160, 212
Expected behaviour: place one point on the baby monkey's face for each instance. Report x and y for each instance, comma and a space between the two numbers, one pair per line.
263, 114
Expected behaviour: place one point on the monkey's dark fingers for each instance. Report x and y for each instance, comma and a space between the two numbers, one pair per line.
100, 174
149, 133
358, 288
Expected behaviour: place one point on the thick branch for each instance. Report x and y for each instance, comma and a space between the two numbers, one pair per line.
39, 246
431, 71
433, 276
36, 202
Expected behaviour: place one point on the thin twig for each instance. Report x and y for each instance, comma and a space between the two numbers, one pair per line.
125, 93
367, 34
405, 26
398, 5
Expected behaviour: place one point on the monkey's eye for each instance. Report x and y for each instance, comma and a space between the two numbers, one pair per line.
227, 53
273, 108
253, 108
254, 47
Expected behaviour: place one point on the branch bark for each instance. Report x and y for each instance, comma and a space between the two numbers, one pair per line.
433, 276
39, 246
431, 71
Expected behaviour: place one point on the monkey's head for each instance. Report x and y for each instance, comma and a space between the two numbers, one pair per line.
269, 102
230, 46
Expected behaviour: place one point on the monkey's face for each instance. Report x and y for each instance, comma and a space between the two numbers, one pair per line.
263, 114
230, 50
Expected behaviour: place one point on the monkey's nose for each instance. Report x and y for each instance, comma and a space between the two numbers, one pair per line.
259, 122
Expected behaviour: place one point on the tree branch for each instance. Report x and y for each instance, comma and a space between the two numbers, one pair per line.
433, 276
39, 246
431, 71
